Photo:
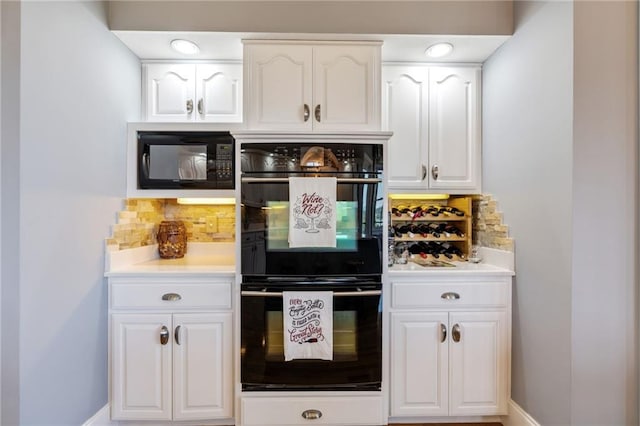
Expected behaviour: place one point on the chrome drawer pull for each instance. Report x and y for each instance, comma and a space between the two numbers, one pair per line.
311, 414
443, 333
171, 297
450, 296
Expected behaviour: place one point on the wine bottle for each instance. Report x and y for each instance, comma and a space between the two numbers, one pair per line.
450, 229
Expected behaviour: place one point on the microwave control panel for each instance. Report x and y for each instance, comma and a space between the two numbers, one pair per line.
224, 164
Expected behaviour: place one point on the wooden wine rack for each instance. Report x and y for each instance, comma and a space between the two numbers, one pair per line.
463, 223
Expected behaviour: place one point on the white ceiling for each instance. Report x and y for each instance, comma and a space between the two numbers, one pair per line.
149, 45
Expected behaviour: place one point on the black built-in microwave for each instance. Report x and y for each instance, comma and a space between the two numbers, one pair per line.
186, 160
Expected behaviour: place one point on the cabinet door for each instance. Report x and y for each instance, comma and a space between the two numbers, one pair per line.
479, 362
202, 375
405, 105
346, 88
141, 367
454, 128
419, 364
169, 91
278, 86
219, 93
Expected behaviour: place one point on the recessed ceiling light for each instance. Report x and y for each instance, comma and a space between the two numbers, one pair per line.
185, 46
439, 50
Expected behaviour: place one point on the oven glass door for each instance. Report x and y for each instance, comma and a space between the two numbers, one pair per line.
357, 341
265, 230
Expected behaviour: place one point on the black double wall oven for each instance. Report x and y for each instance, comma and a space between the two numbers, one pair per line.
352, 270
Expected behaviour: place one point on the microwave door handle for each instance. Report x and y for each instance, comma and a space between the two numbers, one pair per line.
342, 294
145, 164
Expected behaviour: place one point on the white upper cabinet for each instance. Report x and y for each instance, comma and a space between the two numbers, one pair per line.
454, 128
312, 87
208, 92
346, 85
278, 86
434, 113
405, 103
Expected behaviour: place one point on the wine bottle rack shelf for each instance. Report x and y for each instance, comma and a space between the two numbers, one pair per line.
454, 247
430, 259
407, 218
428, 238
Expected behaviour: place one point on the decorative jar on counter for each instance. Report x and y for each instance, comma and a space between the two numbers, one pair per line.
172, 239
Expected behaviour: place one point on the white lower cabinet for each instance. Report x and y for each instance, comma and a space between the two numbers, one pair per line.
171, 365
321, 410
450, 348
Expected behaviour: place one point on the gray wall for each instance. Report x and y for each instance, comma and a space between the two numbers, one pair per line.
10, 209
476, 17
604, 293
78, 88
559, 143
527, 157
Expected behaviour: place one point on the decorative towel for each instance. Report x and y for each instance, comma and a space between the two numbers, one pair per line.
308, 324
312, 218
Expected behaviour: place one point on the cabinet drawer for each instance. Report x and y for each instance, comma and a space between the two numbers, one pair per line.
287, 411
447, 296
204, 295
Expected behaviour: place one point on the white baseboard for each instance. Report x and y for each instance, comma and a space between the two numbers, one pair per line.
101, 418
518, 417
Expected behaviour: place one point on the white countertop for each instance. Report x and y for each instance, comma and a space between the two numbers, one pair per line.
493, 262
412, 268
201, 258
219, 259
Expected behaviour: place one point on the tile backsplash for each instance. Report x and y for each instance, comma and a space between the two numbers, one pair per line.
137, 224
488, 227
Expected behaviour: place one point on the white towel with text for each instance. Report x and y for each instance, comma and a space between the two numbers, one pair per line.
312, 212
308, 324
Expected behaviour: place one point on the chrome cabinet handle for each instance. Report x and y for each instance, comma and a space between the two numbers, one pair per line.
435, 171
307, 112
450, 296
171, 297
455, 333
176, 334
200, 106
189, 106
164, 335
317, 113
311, 414
443, 333
424, 172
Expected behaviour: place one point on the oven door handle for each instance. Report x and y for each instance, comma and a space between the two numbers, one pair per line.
341, 294
285, 180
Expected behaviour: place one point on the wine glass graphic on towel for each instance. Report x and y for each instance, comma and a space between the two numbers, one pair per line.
309, 207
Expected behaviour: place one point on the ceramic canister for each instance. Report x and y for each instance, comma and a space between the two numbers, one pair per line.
172, 239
